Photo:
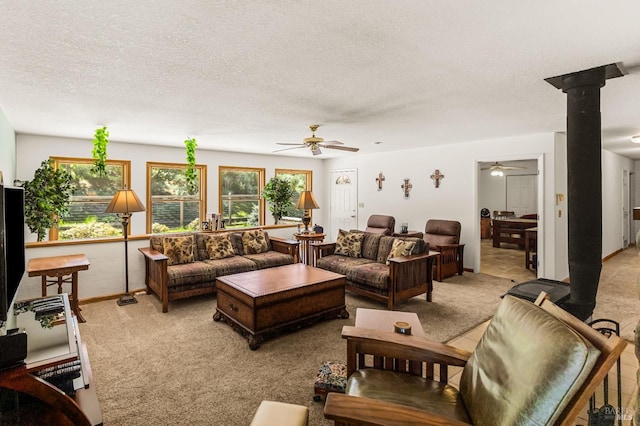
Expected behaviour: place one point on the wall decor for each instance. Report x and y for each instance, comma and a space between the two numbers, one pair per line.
437, 177
380, 179
406, 187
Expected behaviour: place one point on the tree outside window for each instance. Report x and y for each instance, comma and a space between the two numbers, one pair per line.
240, 201
301, 180
172, 208
86, 218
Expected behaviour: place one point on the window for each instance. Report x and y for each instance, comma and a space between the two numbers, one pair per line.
302, 182
170, 207
86, 217
240, 200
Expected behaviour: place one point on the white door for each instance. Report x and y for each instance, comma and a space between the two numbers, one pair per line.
521, 194
344, 201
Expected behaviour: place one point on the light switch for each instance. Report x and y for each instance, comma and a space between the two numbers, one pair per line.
559, 213
361, 205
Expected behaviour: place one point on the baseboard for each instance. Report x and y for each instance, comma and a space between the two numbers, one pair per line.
107, 297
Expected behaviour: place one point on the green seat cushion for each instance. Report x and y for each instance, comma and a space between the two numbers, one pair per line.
411, 391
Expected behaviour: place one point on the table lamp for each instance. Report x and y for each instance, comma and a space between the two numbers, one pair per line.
124, 203
307, 202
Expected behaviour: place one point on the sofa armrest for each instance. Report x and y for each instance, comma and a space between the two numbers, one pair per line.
155, 274
152, 254
348, 409
285, 246
321, 249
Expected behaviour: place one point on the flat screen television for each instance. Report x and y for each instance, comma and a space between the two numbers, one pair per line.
12, 246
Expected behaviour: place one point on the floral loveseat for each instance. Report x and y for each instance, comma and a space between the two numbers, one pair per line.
186, 264
381, 267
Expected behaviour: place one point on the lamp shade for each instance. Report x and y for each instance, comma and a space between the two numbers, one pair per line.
307, 201
125, 201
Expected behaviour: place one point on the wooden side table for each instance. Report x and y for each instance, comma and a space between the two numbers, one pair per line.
62, 270
306, 253
530, 246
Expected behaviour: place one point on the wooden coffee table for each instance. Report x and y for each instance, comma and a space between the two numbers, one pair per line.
268, 301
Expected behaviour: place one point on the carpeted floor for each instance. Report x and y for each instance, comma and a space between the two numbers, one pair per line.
182, 368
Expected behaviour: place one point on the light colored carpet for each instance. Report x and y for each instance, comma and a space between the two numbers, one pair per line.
183, 368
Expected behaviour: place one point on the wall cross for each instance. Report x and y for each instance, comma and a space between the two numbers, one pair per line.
406, 187
437, 177
380, 179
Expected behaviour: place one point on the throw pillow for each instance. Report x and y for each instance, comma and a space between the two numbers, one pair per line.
400, 248
179, 250
219, 246
349, 243
255, 242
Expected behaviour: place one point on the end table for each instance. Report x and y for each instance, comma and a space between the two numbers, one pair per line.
306, 254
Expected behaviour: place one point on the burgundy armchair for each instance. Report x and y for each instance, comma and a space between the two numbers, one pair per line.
443, 236
381, 224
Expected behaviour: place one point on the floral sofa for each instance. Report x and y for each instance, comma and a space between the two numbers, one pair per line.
378, 266
186, 264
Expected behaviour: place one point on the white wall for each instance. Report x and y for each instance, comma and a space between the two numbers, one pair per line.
612, 167
559, 263
106, 274
456, 197
7, 150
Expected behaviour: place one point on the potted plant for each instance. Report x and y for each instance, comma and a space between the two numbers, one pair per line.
46, 197
191, 173
99, 152
278, 192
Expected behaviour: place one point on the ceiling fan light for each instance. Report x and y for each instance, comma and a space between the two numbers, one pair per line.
635, 139
497, 173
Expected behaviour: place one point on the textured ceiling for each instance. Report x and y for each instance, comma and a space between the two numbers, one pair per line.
244, 75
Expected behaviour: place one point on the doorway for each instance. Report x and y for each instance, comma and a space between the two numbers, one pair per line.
515, 187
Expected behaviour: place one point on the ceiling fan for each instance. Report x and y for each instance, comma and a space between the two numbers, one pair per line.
497, 169
314, 143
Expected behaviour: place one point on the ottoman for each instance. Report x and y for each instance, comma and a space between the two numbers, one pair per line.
274, 413
331, 377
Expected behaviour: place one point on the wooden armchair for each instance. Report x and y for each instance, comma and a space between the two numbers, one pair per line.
535, 364
443, 236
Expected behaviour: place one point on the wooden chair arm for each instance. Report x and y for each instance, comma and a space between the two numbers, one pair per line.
285, 246
447, 247
321, 249
410, 259
347, 409
396, 345
152, 254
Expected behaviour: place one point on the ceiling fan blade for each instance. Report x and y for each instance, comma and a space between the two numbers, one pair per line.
332, 143
512, 168
289, 143
343, 148
287, 149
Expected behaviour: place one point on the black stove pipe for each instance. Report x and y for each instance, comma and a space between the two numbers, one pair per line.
584, 188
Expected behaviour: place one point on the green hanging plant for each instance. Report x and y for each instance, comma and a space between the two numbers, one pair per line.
46, 197
279, 192
99, 152
191, 173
